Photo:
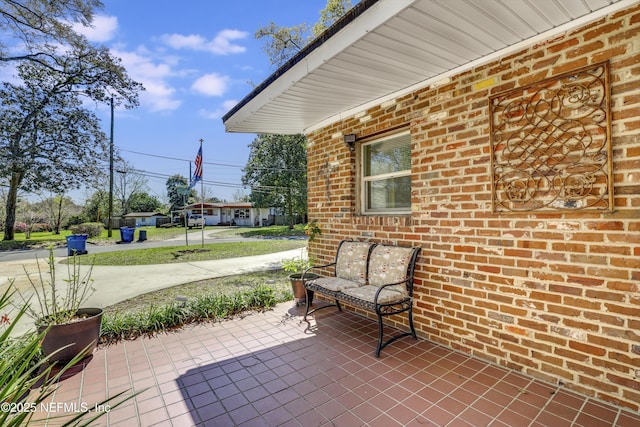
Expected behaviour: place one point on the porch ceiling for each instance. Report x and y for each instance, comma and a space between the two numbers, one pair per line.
392, 47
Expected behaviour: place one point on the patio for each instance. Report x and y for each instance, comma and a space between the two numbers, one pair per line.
273, 369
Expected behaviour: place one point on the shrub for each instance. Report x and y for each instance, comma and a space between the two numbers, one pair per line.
119, 326
40, 226
74, 220
19, 227
91, 229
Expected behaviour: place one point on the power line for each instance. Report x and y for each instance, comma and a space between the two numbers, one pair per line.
158, 175
260, 188
178, 159
206, 163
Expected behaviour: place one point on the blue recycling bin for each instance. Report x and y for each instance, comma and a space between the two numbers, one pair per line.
126, 234
76, 244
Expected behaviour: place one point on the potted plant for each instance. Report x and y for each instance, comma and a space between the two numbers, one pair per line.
28, 380
297, 265
70, 331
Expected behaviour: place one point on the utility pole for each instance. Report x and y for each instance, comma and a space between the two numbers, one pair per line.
110, 225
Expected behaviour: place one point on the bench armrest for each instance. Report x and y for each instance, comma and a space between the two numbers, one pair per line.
381, 288
304, 273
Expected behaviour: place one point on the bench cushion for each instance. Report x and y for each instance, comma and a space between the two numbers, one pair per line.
388, 295
333, 284
351, 262
389, 264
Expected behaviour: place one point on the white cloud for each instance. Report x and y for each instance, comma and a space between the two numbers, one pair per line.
178, 41
221, 44
212, 84
159, 95
102, 28
219, 112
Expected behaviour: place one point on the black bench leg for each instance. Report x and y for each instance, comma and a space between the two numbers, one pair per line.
380, 333
413, 329
309, 300
338, 305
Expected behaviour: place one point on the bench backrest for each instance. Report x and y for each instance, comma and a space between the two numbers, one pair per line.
393, 264
352, 260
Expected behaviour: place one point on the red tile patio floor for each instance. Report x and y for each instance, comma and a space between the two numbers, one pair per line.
272, 369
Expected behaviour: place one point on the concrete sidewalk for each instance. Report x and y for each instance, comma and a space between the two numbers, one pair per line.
118, 283
115, 284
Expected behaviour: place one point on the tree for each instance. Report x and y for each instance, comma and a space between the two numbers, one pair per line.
176, 185
282, 43
128, 182
96, 207
277, 167
334, 10
240, 196
48, 139
143, 202
207, 195
277, 173
56, 210
36, 27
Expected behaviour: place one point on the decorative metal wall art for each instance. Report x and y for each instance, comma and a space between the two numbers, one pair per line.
551, 144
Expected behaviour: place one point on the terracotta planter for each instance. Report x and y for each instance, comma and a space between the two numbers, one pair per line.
299, 291
72, 339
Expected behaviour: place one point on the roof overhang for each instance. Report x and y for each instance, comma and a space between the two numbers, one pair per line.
383, 49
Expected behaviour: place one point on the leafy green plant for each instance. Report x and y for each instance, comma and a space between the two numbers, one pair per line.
312, 229
27, 379
295, 265
118, 326
299, 264
56, 304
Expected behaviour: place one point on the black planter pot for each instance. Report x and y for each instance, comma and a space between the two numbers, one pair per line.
64, 342
299, 291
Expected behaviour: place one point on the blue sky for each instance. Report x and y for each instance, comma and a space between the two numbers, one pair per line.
196, 59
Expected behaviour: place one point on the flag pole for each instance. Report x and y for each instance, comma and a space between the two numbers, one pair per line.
202, 195
185, 199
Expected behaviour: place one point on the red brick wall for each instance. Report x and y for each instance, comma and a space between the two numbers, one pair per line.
555, 295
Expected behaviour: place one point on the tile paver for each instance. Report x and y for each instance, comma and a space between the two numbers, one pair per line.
273, 369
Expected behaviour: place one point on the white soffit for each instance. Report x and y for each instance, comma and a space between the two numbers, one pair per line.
397, 46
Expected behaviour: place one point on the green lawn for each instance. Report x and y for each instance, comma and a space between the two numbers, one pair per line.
44, 239
175, 254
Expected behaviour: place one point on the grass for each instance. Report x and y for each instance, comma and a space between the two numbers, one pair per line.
206, 300
176, 254
276, 279
271, 231
37, 240
48, 238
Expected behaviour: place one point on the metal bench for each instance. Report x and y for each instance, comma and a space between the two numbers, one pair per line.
374, 277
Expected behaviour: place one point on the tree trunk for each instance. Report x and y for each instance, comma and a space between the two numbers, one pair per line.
59, 215
12, 201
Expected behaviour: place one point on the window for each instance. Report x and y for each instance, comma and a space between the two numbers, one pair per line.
242, 213
386, 175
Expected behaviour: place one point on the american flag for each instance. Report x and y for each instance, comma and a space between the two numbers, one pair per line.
197, 175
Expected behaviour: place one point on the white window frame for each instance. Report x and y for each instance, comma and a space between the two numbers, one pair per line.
242, 213
365, 180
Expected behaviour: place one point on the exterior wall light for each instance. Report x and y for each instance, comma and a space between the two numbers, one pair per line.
350, 141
